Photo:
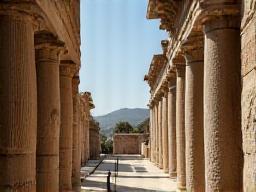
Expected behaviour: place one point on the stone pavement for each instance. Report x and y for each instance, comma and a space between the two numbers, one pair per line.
135, 174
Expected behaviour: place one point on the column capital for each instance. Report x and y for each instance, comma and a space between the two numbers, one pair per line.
68, 68
46, 39
22, 10
75, 84
193, 48
180, 70
212, 10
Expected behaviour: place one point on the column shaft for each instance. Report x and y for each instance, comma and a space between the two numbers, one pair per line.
18, 103
172, 131
156, 135
151, 134
48, 96
194, 129
222, 91
66, 128
180, 128
76, 153
165, 132
160, 146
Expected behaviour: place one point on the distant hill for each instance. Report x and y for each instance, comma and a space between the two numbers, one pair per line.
133, 116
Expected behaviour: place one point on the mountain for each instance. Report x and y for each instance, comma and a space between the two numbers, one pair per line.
133, 116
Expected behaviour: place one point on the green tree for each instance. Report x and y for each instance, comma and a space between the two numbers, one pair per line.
142, 127
106, 145
123, 127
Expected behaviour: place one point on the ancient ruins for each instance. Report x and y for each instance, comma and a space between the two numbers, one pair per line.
44, 120
202, 105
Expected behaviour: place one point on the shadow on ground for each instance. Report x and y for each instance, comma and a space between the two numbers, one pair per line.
102, 186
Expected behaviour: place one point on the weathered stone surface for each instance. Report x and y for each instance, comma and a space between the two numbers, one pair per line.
76, 153
160, 144
194, 124
18, 103
248, 103
127, 143
48, 125
67, 71
172, 131
222, 125
180, 127
165, 133
94, 134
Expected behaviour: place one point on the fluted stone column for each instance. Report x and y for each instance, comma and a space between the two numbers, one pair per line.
180, 127
172, 128
194, 129
76, 154
160, 145
18, 101
48, 126
222, 91
156, 135
67, 71
165, 131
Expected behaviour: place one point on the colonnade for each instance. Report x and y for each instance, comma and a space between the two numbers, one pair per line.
42, 120
195, 107
94, 140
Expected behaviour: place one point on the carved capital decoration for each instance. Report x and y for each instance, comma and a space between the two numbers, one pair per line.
211, 10
22, 10
165, 10
157, 64
45, 39
193, 48
68, 68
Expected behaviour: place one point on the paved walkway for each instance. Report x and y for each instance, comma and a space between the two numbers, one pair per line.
135, 174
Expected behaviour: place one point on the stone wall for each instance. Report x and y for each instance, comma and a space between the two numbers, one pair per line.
129, 143
248, 101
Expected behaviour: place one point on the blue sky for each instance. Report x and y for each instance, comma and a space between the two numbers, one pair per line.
117, 45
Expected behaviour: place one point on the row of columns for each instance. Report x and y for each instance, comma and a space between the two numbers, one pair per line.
95, 146
40, 125
195, 133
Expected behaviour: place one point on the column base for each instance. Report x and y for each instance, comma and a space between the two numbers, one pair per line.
173, 175
181, 189
166, 171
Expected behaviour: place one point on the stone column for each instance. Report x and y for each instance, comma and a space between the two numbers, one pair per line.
82, 119
18, 101
48, 125
67, 71
87, 136
160, 146
156, 134
180, 127
194, 129
165, 131
151, 134
76, 154
222, 91
172, 128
